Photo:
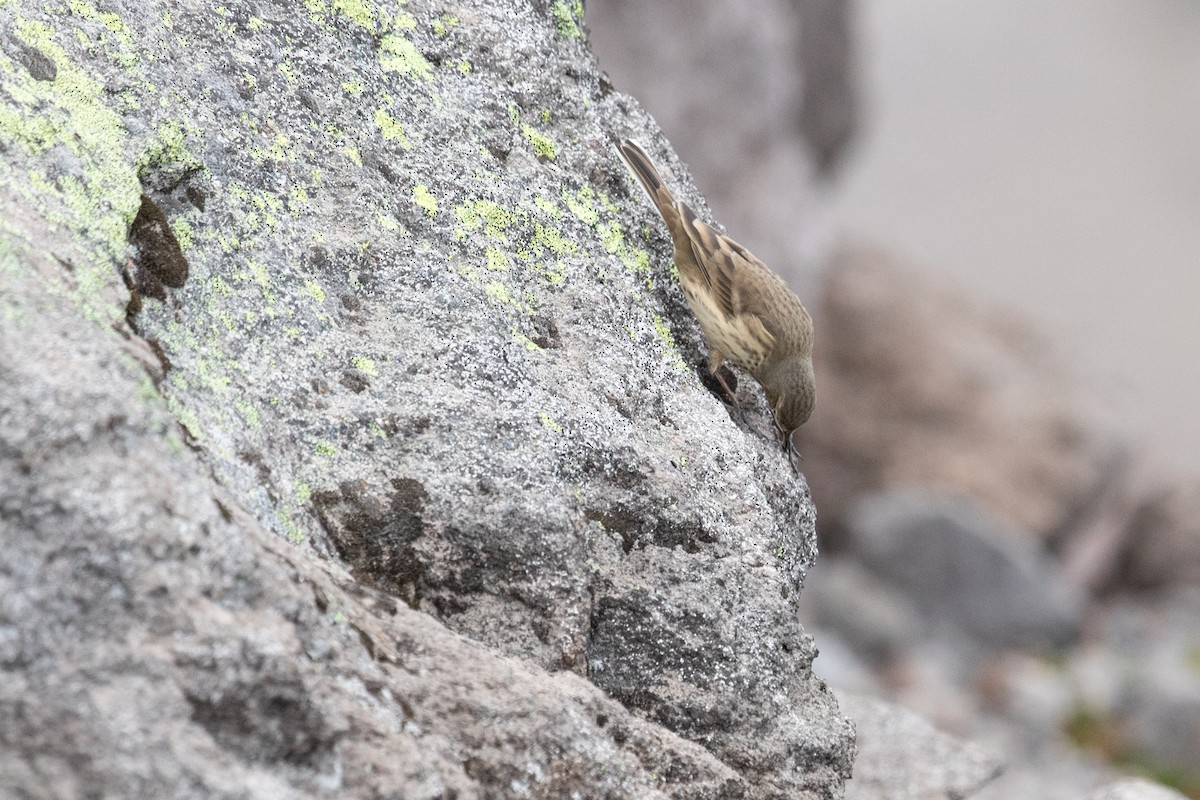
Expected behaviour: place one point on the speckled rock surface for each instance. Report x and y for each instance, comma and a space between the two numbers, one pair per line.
903, 757
348, 432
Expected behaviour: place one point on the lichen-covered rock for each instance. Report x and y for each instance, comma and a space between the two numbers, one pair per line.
381, 265
156, 641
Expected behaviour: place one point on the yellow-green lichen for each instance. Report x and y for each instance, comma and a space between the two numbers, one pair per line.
635, 259
549, 206
548, 239
173, 442
464, 67
316, 10
423, 198
365, 365
278, 151
549, 423
358, 12
259, 274
314, 289
257, 211
184, 233
290, 529
399, 54
186, 417
489, 215
567, 18
70, 112
297, 197
325, 449
218, 287
497, 260
554, 275
302, 492
353, 88
403, 21
391, 129
525, 340
169, 148
247, 412
499, 292
113, 27
664, 333
543, 145
611, 237
443, 24
582, 205
608, 204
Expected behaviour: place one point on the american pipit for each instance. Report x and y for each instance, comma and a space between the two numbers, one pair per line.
747, 313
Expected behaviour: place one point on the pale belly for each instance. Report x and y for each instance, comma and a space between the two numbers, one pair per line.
741, 339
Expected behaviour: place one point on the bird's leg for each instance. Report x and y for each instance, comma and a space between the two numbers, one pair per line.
715, 364
730, 394
716, 382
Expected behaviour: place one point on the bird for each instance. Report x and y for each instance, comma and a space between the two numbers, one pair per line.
748, 314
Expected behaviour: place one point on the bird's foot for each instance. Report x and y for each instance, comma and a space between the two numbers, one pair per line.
722, 383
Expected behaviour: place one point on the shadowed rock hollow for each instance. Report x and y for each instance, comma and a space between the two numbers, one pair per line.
349, 441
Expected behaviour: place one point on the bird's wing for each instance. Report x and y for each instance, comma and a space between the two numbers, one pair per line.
740, 291
643, 169
739, 282
715, 259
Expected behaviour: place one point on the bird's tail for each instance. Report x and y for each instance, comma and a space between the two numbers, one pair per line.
643, 169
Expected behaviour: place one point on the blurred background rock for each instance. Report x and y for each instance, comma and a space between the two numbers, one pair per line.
993, 211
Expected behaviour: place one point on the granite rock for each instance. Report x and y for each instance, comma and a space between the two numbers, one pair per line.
349, 435
903, 757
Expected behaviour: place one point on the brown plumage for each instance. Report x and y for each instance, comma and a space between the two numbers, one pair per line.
747, 313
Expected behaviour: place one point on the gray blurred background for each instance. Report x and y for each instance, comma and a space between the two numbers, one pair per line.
992, 210
1048, 155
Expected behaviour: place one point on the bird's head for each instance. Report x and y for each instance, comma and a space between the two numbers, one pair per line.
791, 394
